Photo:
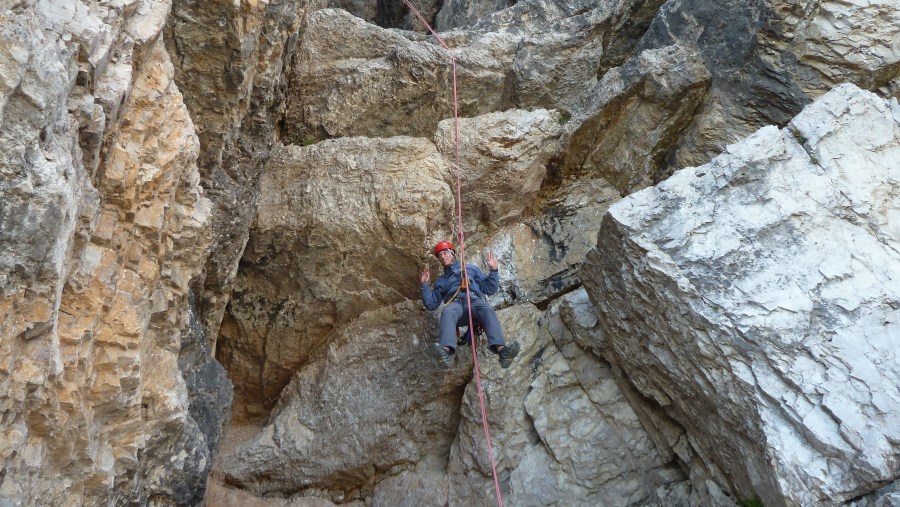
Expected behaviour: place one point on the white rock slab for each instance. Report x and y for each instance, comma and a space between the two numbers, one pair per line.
756, 299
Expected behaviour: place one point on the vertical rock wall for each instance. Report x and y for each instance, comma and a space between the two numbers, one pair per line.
104, 226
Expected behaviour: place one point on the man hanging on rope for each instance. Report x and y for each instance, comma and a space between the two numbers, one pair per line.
451, 289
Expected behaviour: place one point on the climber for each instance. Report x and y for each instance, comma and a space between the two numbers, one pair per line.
449, 288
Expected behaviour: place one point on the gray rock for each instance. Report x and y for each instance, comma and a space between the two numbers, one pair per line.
562, 430
769, 58
634, 118
753, 299
540, 257
462, 13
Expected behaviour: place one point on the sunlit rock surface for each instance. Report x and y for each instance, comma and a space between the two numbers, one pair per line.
755, 300
103, 227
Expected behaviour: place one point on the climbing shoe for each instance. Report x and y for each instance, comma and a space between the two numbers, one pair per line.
440, 353
508, 353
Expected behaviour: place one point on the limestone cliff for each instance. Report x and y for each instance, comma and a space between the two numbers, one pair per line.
213, 215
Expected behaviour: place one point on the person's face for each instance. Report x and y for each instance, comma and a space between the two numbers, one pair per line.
445, 257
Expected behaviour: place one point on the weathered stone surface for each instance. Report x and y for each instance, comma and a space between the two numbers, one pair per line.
828, 43
562, 430
769, 58
103, 227
355, 79
540, 257
502, 163
371, 402
230, 59
634, 118
754, 299
341, 229
461, 13
219, 494
560, 48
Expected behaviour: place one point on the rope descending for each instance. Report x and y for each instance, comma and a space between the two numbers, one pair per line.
462, 250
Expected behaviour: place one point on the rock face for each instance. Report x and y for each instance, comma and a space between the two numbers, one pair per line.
230, 61
262, 181
537, 54
769, 58
575, 439
633, 120
370, 403
349, 216
103, 227
502, 160
760, 290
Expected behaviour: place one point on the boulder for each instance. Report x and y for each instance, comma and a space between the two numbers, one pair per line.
341, 229
634, 118
373, 401
754, 298
502, 163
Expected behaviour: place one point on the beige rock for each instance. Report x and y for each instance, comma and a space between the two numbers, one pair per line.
93, 396
372, 401
230, 59
356, 79
537, 54
341, 229
502, 163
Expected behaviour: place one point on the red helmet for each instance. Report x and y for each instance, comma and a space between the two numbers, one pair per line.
443, 245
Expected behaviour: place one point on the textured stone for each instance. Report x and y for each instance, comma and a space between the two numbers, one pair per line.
461, 13
356, 79
753, 299
341, 229
104, 225
634, 118
502, 163
537, 54
230, 59
372, 401
541, 256
562, 430
769, 58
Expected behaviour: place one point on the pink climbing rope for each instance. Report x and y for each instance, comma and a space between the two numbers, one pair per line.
462, 251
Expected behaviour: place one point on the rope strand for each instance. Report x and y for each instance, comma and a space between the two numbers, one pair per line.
462, 252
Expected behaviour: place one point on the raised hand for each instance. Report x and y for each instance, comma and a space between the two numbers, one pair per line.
426, 275
491, 260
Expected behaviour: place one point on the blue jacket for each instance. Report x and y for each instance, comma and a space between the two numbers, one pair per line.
446, 284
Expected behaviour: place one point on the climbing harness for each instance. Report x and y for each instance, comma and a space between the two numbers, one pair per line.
462, 248
463, 285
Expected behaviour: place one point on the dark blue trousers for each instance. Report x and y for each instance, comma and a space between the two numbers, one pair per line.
456, 314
